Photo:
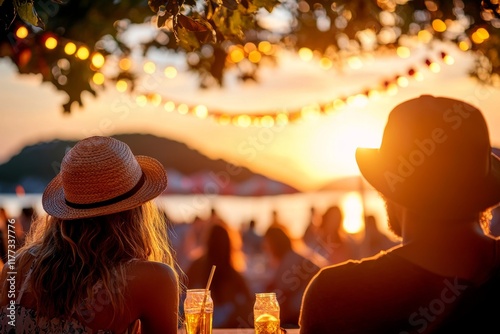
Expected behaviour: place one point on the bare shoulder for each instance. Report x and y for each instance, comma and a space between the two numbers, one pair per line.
154, 291
150, 273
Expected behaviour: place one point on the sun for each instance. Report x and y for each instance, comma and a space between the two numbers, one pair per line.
335, 145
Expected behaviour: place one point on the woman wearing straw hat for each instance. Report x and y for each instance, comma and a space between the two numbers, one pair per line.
100, 261
436, 171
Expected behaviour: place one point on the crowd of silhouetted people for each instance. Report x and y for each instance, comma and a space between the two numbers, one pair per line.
248, 262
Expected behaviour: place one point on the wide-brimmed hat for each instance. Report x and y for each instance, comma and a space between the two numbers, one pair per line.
435, 156
100, 176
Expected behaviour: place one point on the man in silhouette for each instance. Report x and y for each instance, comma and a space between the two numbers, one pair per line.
438, 176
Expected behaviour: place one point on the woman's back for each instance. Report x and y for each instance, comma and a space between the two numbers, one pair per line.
151, 286
100, 260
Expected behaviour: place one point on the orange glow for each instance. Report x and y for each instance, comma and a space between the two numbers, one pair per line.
249, 47
170, 72
169, 106
236, 55
98, 60
449, 60
350, 129
438, 25
83, 53
305, 54
354, 62
22, 32
424, 36
141, 100
51, 43
352, 208
254, 56
125, 64
201, 111
121, 86
20, 191
183, 109
155, 99
224, 119
325, 63
403, 82
70, 48
282, 119
267, 121
483, 33
265, 47
24, 57
403, 52
98, 78
243, 120
149, 67
464, 46
435, 67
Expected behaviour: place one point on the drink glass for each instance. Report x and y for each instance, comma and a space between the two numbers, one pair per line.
266, 312
198, 311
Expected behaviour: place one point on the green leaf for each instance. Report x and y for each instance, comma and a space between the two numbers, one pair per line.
200, 27
26, 11
186, 39
232, 23
229, 4
247, 7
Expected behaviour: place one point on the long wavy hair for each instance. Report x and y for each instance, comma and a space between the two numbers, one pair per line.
71, 257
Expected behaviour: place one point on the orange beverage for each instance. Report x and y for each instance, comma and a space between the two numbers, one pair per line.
267, 324
199, 323
198, 311
266, 312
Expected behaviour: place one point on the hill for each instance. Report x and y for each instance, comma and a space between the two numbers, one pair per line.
189, 171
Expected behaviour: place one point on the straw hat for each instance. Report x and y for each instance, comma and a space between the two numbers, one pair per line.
435, 156
100, 176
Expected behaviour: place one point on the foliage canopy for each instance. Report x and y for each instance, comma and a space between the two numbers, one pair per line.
49, 37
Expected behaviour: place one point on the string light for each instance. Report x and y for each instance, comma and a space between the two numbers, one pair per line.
22, 32
121, 86
265, 47
51, 43
388, 87
98, 78
70, 48
82, 53
149, 67
325, 63
170, 72
438, 25
169, 106
464, 45
141, 100
306, 54
254, 54
403, 52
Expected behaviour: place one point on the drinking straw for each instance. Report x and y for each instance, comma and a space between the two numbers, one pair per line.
207, 288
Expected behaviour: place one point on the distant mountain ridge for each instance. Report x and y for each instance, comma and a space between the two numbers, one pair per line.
189, 171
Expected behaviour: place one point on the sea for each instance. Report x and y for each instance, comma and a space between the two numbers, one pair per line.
293, 210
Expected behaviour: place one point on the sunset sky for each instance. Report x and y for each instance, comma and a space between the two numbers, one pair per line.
307, 155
